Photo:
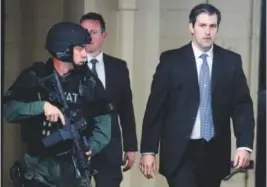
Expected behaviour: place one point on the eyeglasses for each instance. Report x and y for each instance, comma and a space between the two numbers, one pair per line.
94, 32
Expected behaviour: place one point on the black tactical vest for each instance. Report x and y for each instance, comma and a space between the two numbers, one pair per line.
36, 128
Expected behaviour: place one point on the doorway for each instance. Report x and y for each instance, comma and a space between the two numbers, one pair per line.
261, 118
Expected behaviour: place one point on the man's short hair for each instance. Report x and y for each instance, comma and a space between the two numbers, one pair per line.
96, 17
204, 8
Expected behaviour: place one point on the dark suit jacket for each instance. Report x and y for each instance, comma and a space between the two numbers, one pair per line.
119, 91
174, 100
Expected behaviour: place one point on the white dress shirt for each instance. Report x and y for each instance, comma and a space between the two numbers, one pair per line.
100, 67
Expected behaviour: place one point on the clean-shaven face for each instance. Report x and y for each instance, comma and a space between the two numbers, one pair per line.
204, 31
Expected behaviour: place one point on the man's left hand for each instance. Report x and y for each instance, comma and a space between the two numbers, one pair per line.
128, 161
242, 158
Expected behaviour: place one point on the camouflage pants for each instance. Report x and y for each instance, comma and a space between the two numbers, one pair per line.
52, 172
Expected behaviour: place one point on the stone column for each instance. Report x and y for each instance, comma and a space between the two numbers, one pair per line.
125, 47
126, 17
146, 52
253, 78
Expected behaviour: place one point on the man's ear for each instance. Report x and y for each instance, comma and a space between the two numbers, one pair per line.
104, 35
191, 28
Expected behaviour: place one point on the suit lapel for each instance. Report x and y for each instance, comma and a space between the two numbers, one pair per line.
191, 70
108, 72
217, 67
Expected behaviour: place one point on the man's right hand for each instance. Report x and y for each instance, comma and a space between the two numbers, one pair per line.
52, 113
148, 165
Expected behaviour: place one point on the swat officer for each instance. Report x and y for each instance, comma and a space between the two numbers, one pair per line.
33, 102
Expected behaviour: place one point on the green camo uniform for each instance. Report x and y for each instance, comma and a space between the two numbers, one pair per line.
21, 105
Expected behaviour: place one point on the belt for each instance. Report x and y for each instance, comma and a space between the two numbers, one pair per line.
198, 142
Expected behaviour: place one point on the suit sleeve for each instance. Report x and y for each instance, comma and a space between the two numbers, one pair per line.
242, 114
154, 113
18, 101
126, 113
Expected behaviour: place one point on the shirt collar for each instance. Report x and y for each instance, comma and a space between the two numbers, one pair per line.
198, 53
99, 57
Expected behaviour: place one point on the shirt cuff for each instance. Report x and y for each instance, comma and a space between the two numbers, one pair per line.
148, 153
246, 148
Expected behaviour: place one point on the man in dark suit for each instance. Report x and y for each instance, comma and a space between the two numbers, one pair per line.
114, 75
195, 92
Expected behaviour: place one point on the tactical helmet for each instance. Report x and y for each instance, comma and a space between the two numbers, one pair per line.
62, 37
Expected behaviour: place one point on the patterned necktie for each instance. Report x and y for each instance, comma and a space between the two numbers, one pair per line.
94, 61
206, 120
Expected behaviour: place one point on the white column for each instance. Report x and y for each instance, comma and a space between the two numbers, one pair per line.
253, 78
126, 13
146, 53
125, 36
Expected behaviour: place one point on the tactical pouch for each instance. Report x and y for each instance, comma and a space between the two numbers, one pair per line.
16, 173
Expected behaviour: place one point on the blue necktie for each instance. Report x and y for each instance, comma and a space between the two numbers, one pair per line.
206, 120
